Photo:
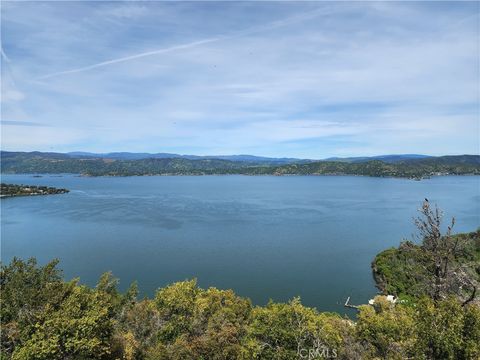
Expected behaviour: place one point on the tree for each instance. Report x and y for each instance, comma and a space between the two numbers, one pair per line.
81, 327
219, 324
293, 331
199, 324
176, 304
447, 330
388, 328
26, 289
441, 253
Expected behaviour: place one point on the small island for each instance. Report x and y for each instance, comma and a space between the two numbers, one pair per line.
11, 190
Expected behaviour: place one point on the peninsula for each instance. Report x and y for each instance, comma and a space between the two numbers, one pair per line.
11, 190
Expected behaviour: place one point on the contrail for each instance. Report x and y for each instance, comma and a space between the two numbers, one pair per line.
269, 26
131, 57
4, 56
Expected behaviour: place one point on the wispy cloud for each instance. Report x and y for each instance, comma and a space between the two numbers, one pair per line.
20, 123
9, 91
306, 79
123, 13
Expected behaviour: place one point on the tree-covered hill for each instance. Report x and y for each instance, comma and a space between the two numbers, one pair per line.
405, 271
109, 167
413, 168
440, 265
18, 162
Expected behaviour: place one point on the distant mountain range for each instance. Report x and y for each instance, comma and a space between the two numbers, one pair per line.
126, 164
384, 158
139, 156
245, 158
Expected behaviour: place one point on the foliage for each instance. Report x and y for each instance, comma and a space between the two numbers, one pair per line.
430, 330
80, 327
291, 330
446, 330
199, 323
404, 271
389, 328
26, 289
44, 317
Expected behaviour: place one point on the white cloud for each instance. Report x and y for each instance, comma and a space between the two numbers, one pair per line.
12, 95
254, 76
128, 11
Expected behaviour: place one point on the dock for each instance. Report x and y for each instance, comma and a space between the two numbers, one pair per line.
347, 304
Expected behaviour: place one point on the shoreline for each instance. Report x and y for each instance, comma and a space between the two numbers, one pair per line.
425, 177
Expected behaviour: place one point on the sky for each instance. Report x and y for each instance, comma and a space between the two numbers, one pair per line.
295, 79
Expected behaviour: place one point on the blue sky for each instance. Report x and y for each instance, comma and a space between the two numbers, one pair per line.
299, 79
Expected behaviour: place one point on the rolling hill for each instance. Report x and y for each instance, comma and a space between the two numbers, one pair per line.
90, 165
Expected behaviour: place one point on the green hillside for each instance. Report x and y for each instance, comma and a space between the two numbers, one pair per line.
52, 163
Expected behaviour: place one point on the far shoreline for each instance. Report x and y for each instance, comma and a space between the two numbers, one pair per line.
40, 175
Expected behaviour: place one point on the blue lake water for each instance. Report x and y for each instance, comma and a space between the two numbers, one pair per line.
263, 236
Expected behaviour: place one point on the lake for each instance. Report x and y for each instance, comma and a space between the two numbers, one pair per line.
262, 236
